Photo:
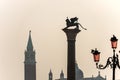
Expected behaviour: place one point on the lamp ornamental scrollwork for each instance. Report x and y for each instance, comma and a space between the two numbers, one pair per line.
112, 62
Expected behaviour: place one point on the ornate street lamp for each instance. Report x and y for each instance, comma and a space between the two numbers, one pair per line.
96, 55
113, 61
114, 42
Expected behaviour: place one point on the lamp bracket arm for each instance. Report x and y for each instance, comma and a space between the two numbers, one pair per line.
100, 66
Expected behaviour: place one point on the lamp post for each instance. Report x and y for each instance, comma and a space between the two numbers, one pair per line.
113, 61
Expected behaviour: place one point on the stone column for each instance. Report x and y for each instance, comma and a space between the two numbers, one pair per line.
71, 38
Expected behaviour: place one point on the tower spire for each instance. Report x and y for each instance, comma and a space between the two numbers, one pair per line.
98, 73
30, 45
61, 74
30, 62
50, 75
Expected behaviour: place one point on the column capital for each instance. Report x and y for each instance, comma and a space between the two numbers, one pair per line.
71, 33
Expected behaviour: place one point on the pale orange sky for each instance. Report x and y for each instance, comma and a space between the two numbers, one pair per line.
46, 18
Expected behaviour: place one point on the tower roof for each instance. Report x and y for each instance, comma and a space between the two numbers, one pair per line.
30, 53
61, 74
79, 72
50, 73
30, 45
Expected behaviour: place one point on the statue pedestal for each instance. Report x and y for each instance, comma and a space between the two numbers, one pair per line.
71, 38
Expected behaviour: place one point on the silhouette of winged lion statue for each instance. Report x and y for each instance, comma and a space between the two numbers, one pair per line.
73, 22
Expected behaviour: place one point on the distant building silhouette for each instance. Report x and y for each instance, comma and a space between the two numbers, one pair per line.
30, 62
50, 75
62, 75
30, 66
80, 75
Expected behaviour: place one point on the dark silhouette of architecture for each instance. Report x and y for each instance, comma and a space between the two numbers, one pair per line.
61, 75
50, 75
80, 75
30, 62
71, 38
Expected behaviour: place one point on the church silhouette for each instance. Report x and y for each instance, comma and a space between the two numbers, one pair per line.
30, 66
79, 75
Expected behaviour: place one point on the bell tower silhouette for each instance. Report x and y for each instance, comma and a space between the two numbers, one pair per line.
30, 62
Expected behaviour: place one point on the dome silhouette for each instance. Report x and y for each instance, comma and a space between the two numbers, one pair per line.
79, 72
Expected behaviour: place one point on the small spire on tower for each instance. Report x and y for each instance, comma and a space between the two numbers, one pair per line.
30, 31
61, 74
92, 76
61, 71
50, 73
99, 73
30, 45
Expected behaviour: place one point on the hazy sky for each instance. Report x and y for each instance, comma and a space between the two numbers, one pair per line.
46, 18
